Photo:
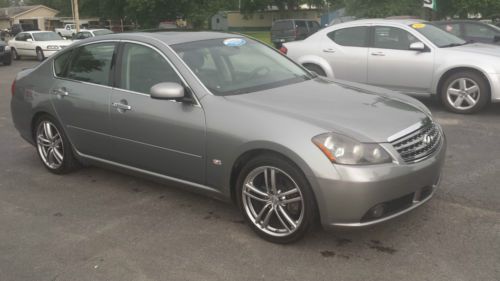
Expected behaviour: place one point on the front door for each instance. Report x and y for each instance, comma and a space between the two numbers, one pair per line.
81, 95
160, 136
391, 63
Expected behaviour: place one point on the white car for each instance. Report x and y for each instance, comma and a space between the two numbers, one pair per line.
39, 44
89, 33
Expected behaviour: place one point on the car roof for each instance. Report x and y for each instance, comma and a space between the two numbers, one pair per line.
173, 37
37, 31
385, 21
460, 21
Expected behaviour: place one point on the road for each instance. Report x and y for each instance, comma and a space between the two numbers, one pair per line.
98, 224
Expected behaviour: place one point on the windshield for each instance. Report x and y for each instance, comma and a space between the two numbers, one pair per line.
102, 32
232, 66
46, 36
439, 37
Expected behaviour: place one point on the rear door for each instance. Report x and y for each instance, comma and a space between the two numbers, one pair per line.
81, 96
161, 136
346, 51
393, 65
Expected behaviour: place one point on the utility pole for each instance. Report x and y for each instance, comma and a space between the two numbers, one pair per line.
77, 15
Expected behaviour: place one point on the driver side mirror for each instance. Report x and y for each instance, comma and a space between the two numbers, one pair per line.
418, 46
29, 40
167, 91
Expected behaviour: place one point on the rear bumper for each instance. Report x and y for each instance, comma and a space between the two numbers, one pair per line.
352, 199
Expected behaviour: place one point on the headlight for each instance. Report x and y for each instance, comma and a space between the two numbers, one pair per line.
344, 150
52, 47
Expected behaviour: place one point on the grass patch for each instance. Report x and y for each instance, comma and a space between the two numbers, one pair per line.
264, 36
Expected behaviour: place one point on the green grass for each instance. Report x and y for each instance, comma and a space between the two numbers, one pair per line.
264, 36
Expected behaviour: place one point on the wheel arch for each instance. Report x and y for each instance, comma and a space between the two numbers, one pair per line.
451, 71
320, 62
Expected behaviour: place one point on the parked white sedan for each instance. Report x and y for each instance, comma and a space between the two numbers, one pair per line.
39, 44
89, 33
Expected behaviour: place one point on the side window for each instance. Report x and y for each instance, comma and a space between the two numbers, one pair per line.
477, 30
351, 37
92, 63
143, 67
393, 38
21, 37
61, 63
453, 28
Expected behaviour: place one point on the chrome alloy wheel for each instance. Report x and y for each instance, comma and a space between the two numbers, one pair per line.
50, 145
463, 93
273, 201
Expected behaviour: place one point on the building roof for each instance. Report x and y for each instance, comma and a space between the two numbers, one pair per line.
10, 12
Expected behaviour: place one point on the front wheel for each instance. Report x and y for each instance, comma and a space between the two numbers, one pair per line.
39, 55
275, 199
14, 55
465, 92
53, 147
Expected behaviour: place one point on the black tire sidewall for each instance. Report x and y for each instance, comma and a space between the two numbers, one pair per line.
316, 68
293, 171
39, 55
484, 98
14, 54
69, 161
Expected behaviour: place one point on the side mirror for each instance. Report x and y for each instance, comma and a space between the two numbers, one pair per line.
496, 38
29, 40
167, 91
417, 46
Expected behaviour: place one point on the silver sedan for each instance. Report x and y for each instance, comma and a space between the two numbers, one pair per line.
408, 56
234, 119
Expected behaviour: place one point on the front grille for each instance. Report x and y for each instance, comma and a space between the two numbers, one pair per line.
420, 144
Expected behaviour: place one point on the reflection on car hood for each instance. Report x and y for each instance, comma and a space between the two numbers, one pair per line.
479, 48
346, 108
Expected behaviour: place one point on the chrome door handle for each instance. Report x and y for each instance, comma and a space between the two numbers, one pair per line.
378, 54
329, 50
121, 106
60, 92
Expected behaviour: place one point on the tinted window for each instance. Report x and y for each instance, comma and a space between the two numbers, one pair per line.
453, 28
46, 36
477, 30
392, 38
280, 25
300, 24
83, 35
60, 64
22, 37
92, 63
313, 26
143, 67
353, 36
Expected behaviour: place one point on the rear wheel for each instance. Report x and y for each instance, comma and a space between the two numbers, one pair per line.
275, 199
465, 92
315, 68
14, 54
53, 147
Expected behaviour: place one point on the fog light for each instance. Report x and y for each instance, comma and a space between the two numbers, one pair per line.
377, 211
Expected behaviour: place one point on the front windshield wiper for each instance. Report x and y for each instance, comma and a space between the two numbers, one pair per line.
455, 45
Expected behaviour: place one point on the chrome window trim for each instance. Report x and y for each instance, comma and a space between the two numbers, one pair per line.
198, 104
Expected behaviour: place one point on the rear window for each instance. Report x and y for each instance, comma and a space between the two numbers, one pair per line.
280, 25
351, 37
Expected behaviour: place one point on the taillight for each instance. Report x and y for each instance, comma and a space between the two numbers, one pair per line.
283, 50
13, 87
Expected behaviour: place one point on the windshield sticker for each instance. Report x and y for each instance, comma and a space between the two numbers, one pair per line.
418, 25
234, 42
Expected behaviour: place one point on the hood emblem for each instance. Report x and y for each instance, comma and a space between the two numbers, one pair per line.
427, 139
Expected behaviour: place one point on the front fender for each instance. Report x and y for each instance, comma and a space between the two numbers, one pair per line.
321, 62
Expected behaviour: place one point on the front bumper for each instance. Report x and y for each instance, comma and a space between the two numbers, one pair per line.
48, 53
352, 198
494, 80
5, 56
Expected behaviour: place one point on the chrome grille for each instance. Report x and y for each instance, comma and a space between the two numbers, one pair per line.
419, 144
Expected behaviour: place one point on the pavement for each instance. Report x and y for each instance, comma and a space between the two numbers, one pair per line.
97, 224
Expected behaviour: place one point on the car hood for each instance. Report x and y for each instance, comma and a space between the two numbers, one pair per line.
366, 113
479, 48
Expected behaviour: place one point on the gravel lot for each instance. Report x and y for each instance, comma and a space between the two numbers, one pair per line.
97, 224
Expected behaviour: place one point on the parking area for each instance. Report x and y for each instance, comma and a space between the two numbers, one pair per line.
98, 224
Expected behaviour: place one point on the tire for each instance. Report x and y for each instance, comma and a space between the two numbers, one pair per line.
465, 92
14, 54
261, 203
7, 60
315, 68
53, 147
39, 54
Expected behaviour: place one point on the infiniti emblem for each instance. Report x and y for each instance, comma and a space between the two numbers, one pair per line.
427, 139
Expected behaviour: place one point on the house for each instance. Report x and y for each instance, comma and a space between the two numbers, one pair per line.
236, 21
40, 16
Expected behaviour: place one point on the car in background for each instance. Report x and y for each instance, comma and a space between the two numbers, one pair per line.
68, 31
5, 55
342, 20
409, 56
39, 44
291, 30
89, 33
230, 117
472, 31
